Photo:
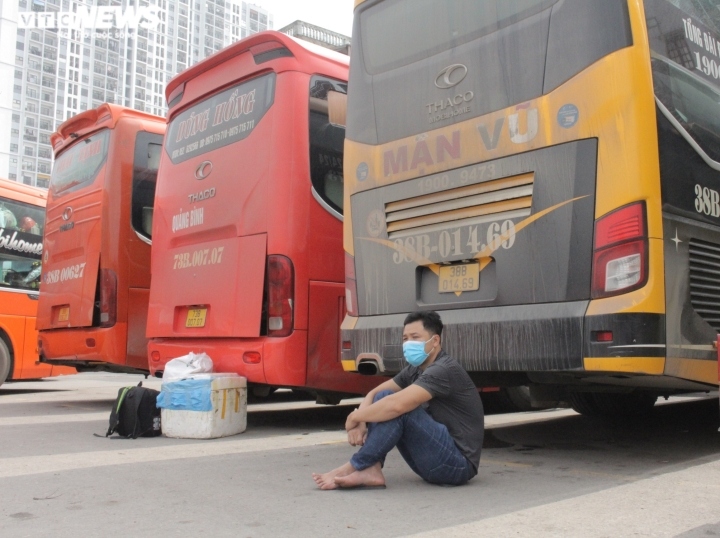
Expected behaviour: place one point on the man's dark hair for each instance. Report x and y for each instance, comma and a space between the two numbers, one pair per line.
430, 319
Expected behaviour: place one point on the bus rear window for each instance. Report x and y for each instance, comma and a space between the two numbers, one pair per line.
431, 26
21, 236
79, 165
219, 120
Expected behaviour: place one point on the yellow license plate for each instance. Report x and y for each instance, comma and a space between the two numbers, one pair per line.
64, 313
458, 278
196, 317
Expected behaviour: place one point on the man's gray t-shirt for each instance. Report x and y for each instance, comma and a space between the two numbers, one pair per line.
455, 402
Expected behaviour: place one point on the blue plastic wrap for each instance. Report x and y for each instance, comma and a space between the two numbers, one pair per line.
186, 395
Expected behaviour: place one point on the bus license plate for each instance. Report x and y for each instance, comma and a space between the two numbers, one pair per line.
196, 317
457, 278
64, 313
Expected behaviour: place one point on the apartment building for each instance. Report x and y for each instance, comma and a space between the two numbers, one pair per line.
61, 57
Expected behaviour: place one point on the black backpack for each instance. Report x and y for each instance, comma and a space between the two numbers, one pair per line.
135, 414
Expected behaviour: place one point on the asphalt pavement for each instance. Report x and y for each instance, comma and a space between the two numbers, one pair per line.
547, 473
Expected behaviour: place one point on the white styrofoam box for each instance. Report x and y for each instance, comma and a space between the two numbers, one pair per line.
228, 394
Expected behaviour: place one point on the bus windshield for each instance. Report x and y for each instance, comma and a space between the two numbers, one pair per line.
80, 164
21, 232
453, 23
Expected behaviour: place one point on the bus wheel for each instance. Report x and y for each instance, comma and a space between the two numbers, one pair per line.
4, 361
596, 404
518, 398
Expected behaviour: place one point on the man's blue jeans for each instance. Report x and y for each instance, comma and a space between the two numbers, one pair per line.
426, 446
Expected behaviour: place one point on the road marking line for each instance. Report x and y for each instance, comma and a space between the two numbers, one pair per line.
668, 503
490, 422
32, 465
53, 419
105, 415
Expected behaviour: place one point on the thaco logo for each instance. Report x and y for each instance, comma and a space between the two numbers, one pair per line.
451, 76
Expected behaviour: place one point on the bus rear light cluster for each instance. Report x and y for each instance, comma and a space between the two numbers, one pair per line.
620, 251
350, 286
602, 336
280, 287
108, 298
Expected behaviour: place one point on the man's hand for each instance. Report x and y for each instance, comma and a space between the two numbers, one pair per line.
351, 423
357, 436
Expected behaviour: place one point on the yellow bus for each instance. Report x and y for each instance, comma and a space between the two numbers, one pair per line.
546, 175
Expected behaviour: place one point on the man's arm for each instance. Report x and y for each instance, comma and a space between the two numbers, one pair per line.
390, 407
358, 433
387, 385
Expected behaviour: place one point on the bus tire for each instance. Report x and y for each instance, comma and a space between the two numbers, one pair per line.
612, 405
5, 361
519, 398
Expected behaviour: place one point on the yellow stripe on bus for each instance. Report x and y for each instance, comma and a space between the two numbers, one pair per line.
349, 365
632, 365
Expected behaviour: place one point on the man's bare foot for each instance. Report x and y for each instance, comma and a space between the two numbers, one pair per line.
372, 476
327, 480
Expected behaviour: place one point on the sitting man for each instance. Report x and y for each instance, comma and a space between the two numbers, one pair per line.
431, 411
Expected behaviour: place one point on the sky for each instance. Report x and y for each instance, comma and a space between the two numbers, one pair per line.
335, 15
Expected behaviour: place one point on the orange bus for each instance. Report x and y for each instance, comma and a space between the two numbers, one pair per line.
96, 275
247, 261
22, 219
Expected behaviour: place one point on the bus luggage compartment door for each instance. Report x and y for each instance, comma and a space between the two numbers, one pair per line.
67, 298
222, 280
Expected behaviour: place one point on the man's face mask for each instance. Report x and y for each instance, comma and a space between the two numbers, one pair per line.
414, 352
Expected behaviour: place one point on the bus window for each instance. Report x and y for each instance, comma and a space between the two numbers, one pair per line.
21, 228
224, 118
453, 23
79, 165
147, 158
526, 55
326, 142
691, 101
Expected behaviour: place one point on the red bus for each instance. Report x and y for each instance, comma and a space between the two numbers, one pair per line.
96, 263
247, 261
22, 219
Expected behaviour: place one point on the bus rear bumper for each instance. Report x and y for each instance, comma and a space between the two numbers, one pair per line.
555, 337
262, 360
88, 348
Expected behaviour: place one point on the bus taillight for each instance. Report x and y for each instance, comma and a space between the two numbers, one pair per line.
350, 286
108, 298
620, 251
280, 285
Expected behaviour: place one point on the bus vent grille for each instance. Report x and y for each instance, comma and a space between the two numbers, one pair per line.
705, 281
505, 198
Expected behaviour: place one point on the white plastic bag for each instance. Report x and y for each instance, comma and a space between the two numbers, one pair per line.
187, 366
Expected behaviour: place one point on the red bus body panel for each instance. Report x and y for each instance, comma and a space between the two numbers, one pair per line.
261, 205
97, 235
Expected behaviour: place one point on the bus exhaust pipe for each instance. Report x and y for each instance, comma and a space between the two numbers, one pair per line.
368, 368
